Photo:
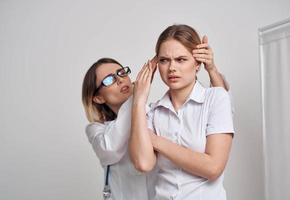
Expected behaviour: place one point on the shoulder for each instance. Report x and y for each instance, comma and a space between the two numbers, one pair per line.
153, 105
96, 128
216, 93
163, 102
126, 106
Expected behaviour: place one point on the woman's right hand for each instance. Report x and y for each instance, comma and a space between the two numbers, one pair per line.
143, 82
204, 54
154, 62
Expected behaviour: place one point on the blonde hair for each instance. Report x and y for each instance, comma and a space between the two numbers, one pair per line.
96, 112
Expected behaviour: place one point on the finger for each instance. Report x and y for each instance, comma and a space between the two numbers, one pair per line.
208, 57
154, 66
205, 39
150, 72
203, 60
205, 45
203, 51
200, 51
154, 60
140, 72
144, 73
206, 60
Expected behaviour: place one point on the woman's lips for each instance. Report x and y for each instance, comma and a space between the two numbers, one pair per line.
173, 78
124, 89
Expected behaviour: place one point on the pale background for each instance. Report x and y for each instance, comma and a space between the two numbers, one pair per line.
46, 48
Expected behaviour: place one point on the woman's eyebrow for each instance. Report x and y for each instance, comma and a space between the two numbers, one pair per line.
180, 57
163, 57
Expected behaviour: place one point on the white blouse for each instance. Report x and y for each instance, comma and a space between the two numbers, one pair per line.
207, 111
110, 143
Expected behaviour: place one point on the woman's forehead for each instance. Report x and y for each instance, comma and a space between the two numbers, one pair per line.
107, 68
172, 48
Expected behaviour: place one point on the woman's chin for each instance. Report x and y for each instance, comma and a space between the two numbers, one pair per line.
125, 96
174, 86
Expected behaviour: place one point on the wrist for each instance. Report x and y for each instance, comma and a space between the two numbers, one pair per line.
213, 72
159, 143
154, 141
139, 102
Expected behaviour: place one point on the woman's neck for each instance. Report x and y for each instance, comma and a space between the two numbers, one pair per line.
179, 96
115, 108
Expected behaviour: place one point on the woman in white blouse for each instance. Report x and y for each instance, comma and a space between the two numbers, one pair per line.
190, 127
106, 96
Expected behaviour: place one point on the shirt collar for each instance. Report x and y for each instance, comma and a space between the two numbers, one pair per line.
197, 94
164, 101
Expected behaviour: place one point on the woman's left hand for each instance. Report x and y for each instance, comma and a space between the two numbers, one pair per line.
143, 83
204, 54
154, 62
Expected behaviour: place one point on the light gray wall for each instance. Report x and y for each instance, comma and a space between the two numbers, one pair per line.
47, 46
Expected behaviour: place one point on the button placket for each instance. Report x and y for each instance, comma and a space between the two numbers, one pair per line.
179, 127
176, 130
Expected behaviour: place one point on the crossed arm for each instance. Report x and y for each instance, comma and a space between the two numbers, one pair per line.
143, 142
209, 164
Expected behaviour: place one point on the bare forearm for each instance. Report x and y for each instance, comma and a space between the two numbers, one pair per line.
140, 145
195, 163
216, 79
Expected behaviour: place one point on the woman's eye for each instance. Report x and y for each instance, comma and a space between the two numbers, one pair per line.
162, 61
108, 80
181, 59
121, 73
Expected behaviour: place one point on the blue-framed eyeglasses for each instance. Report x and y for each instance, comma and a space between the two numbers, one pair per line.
112, 78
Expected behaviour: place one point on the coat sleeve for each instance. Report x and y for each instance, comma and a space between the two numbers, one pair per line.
110, 140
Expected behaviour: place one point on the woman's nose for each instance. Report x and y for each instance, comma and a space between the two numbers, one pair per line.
119, 80
171, 67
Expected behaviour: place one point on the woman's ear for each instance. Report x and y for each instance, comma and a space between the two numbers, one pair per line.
197, 66
99, 99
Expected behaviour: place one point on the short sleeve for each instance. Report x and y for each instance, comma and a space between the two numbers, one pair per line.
110, 140
150, 116
220, 113
228, 89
